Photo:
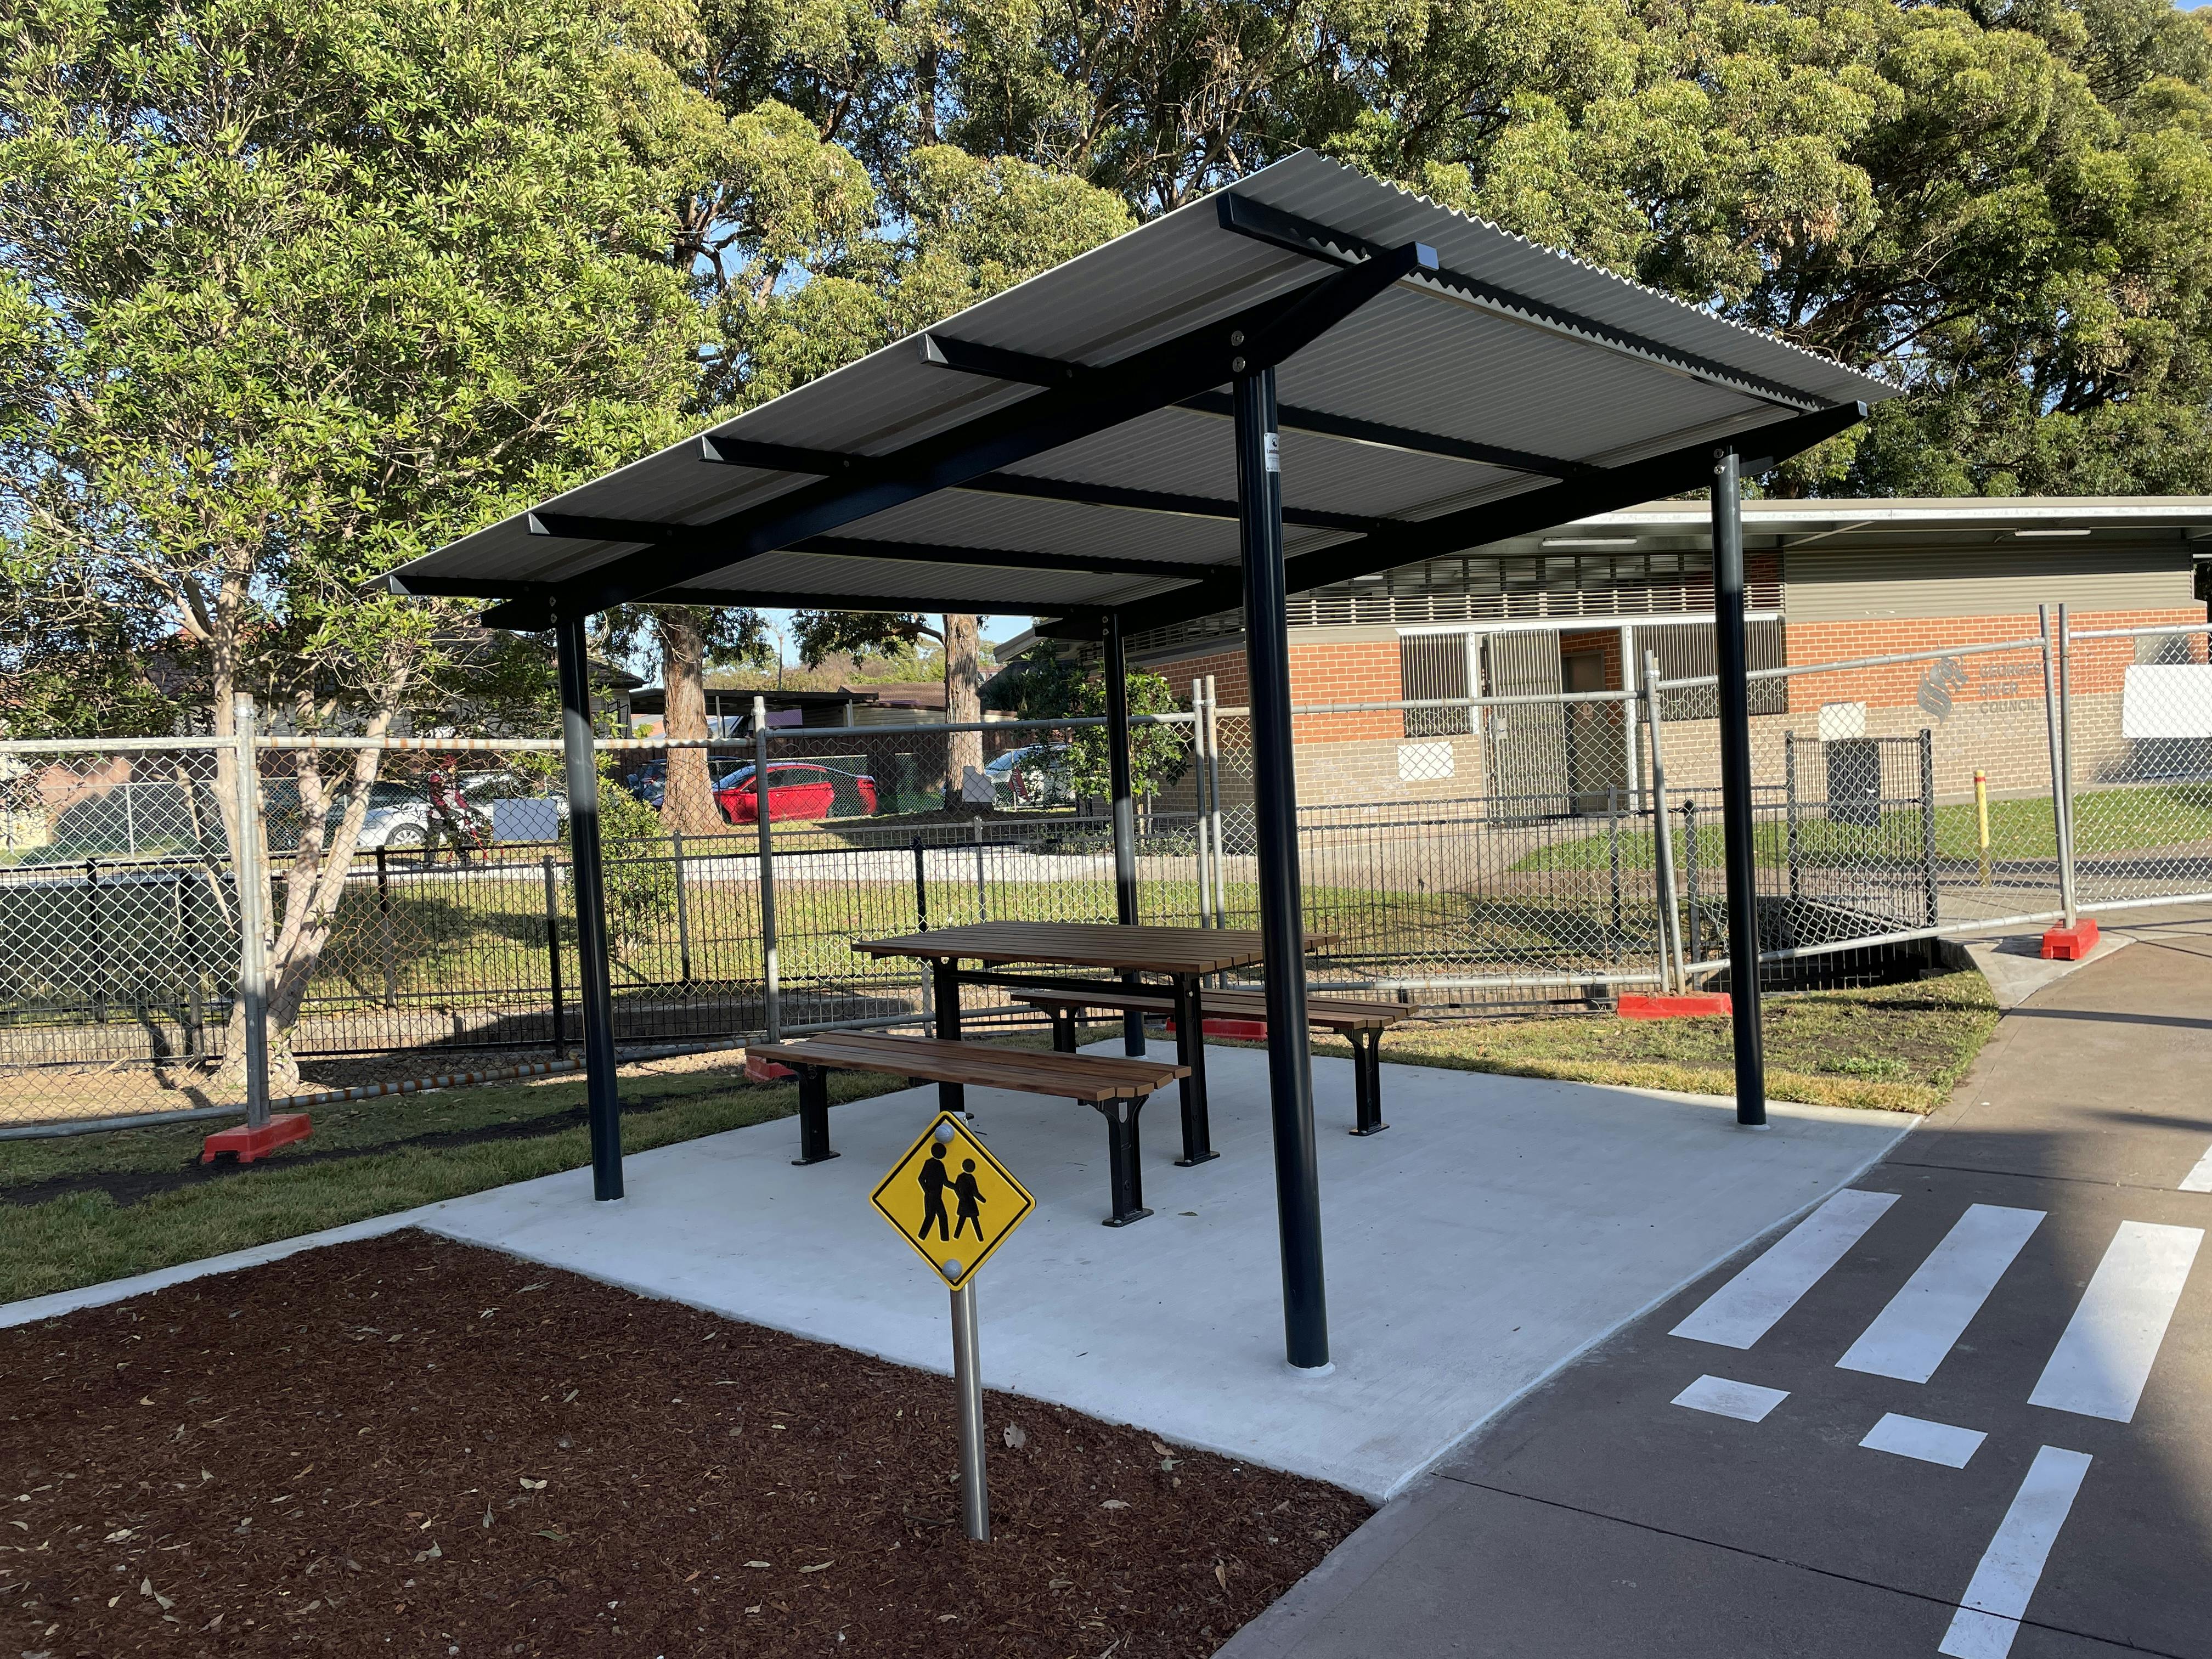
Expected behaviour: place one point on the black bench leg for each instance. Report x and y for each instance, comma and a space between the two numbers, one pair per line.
1124, 1170
946, 973
1367, 1082
1190, 1050
1063, 1031
813, 1116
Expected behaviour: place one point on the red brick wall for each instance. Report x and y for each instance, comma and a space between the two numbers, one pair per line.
2096, 664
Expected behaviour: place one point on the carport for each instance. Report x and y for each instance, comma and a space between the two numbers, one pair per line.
1302, 379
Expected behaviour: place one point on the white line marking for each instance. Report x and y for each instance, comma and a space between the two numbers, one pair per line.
1995, 1602
2199, 1180
1746, 1308
1909, 1337
1931, 1443
1745, 1400
2100, 1365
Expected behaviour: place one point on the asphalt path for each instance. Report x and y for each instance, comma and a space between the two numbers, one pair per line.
1962, 1408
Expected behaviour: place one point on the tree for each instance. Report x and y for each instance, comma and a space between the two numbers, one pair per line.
2010, 212
691, 639
1045, 688
295, 289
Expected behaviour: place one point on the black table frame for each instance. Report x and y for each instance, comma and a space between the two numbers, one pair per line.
947, 976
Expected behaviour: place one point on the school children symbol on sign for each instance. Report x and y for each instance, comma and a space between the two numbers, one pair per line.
951, 1200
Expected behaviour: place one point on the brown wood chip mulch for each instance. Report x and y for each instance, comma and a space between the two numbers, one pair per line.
409, 1446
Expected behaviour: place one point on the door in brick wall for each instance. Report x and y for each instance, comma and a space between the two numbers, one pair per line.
1525, 742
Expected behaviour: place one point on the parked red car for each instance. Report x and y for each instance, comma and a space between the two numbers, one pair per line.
797, 792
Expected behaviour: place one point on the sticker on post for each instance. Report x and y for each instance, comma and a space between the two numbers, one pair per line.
951, 1200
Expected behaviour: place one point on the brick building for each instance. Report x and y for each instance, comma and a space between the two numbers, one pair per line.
1828, 581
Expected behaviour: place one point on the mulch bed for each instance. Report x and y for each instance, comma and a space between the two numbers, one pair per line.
405, 1445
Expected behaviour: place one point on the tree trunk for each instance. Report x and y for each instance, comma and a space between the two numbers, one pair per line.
688, 802
963, 706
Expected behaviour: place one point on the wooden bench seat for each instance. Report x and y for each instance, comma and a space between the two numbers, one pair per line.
1362, 1020
1117, 1087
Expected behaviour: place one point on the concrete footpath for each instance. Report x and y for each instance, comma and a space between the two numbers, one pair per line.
1965, 1408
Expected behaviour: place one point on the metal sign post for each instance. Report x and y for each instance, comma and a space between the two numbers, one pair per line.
956, 1204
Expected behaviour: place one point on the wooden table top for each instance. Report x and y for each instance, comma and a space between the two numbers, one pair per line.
1087, 945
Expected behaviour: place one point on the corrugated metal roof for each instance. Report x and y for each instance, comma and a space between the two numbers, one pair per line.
1457, 360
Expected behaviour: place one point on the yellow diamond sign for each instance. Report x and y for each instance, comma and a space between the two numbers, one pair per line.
951, 1200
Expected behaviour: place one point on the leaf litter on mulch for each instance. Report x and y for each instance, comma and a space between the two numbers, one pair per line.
469, 1454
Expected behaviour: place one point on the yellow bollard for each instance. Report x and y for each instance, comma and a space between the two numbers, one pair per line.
1982, 818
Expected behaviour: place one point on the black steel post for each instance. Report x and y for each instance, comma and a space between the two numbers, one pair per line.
1125, 812
603, 1103
1735, 787
1290, 1071
1789, 808
384, 926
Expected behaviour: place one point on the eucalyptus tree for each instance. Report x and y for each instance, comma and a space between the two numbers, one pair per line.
292, 290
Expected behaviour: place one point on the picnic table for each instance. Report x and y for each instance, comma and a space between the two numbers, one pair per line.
1183, 955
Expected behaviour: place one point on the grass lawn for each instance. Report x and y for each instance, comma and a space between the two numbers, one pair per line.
87, 1208
2104, 821
1892, 1047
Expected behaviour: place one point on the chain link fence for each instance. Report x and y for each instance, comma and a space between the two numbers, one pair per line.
1464, 854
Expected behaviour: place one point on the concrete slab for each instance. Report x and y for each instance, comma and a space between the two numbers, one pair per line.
1990, 1399
1455, 1571
2015, 966
1500, 1227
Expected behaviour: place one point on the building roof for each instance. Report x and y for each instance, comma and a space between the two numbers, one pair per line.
1061, 448
1996, 514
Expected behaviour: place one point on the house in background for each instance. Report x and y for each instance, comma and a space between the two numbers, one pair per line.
1828, 581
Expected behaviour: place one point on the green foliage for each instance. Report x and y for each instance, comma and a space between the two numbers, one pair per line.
637, 874
1045, 688
299, 289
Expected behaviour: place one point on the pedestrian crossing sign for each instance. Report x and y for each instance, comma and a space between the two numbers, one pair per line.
951, 1200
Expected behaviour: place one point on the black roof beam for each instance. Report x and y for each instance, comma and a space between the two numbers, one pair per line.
827, 463
1262, 223
1323, 423
1089, 400
579, 528
1689, 467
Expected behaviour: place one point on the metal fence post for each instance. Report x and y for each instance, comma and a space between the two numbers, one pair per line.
1789, 789
764, 840
2065, 799
1927, 821
253, 915
1201, 851
683, 905
1220, 895
2060, 836
1671, 965
553, 955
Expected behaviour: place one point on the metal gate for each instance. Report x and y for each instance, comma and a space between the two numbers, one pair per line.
1526, 744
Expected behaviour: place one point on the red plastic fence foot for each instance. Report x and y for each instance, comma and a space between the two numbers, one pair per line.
2070, 944
766, 1071
1698, 1004
282, 1128
1241, 1030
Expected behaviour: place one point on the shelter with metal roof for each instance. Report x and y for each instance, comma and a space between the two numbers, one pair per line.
1303, 378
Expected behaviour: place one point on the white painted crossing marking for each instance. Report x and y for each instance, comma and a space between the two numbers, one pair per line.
2199, 1180
1717, 1395
1746, 1308
1996, 1599
1931, 1443
2101, 1365
1923, 1322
